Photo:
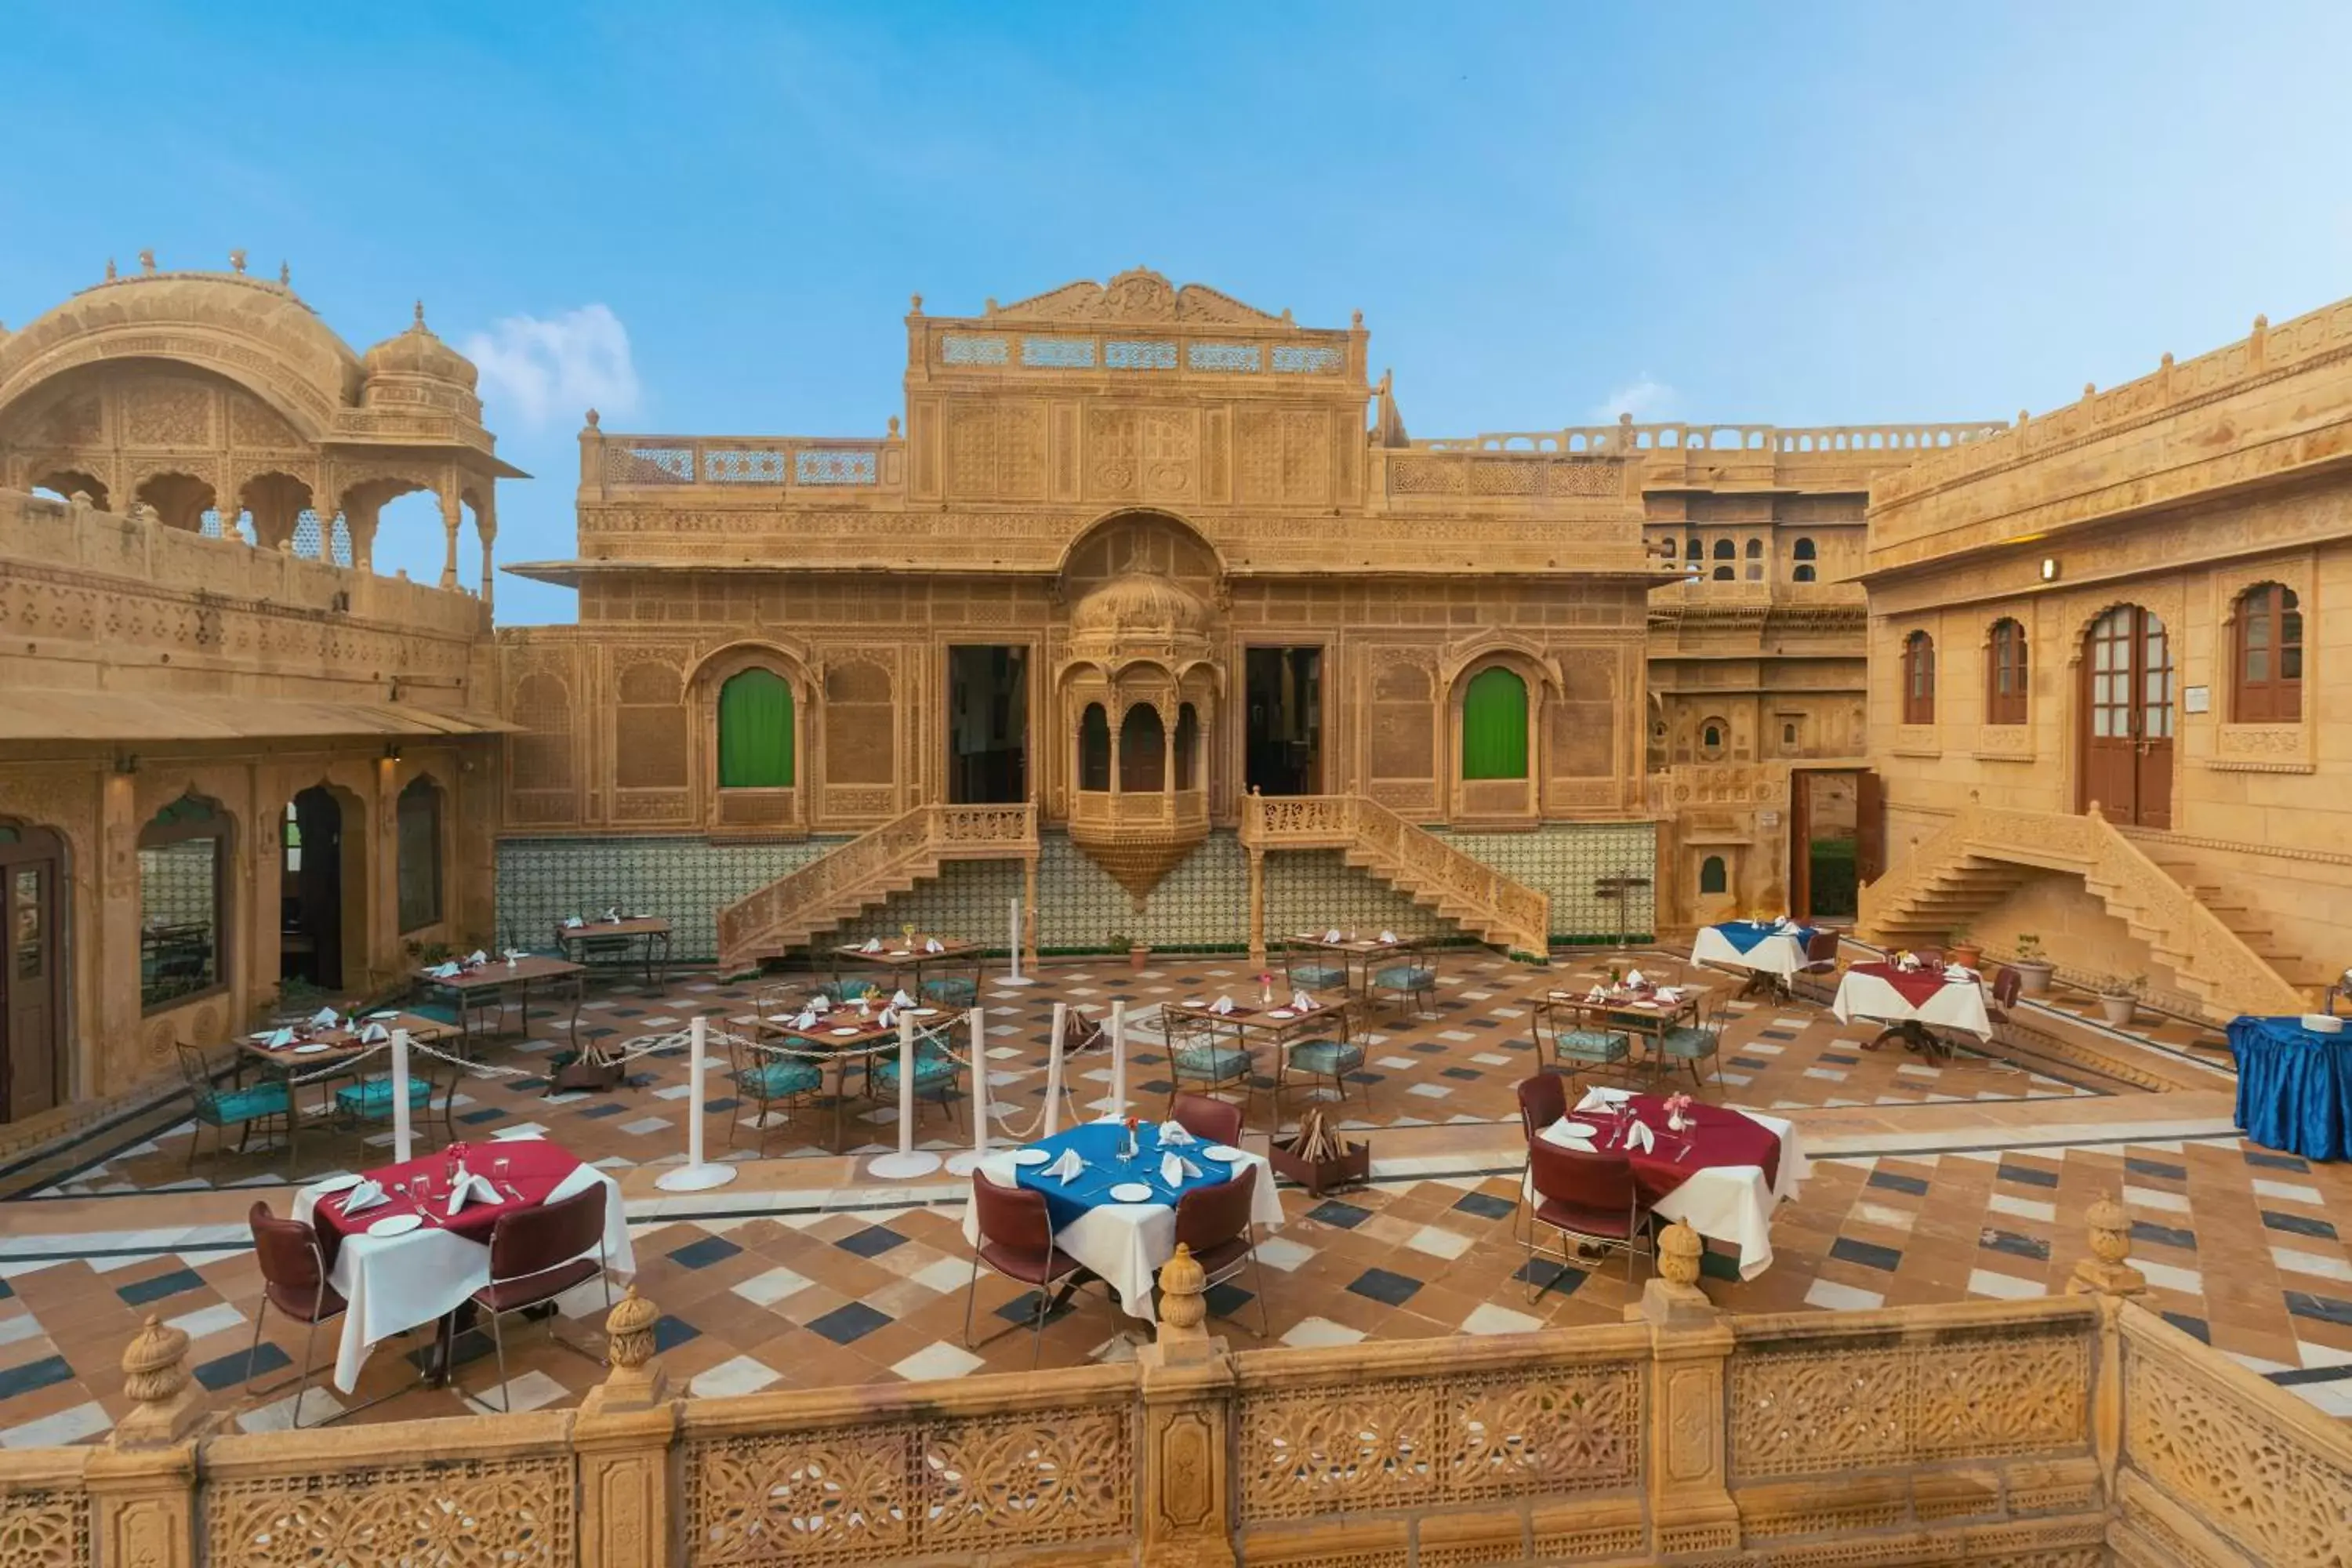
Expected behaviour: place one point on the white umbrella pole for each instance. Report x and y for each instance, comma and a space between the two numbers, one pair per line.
402, 1139
1015, 978
697, 1175
965, 1164
1054, 1073
907, 1162
1119, 1062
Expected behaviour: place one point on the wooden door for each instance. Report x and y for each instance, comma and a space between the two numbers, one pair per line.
2127, 718
1869, 828
32, 975
1801, 844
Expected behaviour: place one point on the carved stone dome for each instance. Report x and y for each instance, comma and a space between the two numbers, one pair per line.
416, 369
1139, 603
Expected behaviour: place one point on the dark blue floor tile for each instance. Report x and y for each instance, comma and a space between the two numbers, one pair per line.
33, 1374
1382, 1286
871, 1242
2164, 1168
2298, 1224
2027, 1175
1869, 1254
2294, 1376
1463, 1073
846, 1324
671, 1332
140, 1292
702, 1254
1550, 1275
1227, 1301
2015, 1245
1843, 1061
229, 1371
2270, 1161
2163, 1235
1718, 1264
487, 1113
1486, 1206
1891, 1181
2326, 1308
6, 1290
2194, 1327
527, 1085
1749, 1063
1347, 1217
598, 1112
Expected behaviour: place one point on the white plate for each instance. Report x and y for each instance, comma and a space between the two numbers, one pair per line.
922, 1012
396, 1225
1130, 1193
342, 1183
392, 1014
262, 1036
900, 953
1224, 1151
313, 1049
1031, 1157
843, 1031
1192, 1001
1282, 1012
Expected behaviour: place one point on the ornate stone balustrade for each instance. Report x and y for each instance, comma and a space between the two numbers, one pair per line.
615, 464
1754, 441
1421, 863
2063, 1433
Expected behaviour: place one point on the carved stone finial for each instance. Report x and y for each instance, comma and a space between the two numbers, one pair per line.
914, 304
629, 1329
1355, 320
2090, 389
110, 269
2262, 324
2022, 418
164, 1399
2105, 1272
1183, 1305
285, 274
2094, 813
595, 419
1286, 317
988, 306
420, 312
147, 262
894, 427
1679, 1249
236, 262
2166, 360
1626, 418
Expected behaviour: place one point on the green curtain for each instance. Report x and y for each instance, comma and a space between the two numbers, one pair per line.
755, 731
1495, 726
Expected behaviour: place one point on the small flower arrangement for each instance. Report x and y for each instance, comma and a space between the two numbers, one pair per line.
1134, 1123
1678, 1111
1266, 988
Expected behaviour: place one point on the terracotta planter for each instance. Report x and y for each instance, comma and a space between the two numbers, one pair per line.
2033, 976
1320, 1176
1138, 956
1967, 954
2120, 1010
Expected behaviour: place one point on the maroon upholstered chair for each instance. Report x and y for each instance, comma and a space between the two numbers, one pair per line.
2006, 986
1543, 1099
1214, 1221
1589, 1198
536, 1255
293, 1280
1209, 1118
1016, 1240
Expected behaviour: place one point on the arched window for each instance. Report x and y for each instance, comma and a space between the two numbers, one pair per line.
183, 902
755, 731
2270, 657
1712, 878
1711, 734
1918, 678
1724, 575
1756, 550
1803, 551
1188, 747
1693, 549
1803, 573
1094, 748
1789, 735
419, 844
1495, 725
1142, 751
1726, 550
2005, 674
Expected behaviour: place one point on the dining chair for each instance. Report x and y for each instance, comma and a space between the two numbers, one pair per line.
1821, 954
1196, 1054
937, 1074
1016, 1240
1334, 1056
370, 1100
1310, 968
1412, 976
1210, 1120
1214, 1221
1543, 1099
762, 1081
1583, 1040
959, 988
856, 986
218, 1108
1692, 1043
538, 1254
1587, 1198
2006, 987
293, 1280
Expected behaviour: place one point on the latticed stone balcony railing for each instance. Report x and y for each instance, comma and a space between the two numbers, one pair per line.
2077, 1430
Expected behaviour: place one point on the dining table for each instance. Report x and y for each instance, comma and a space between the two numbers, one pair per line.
839, 1038
1644, 1013
1913, 1002
2294, 1086
428, 1271
1353, 950
618, 936
314, 1048
1123, 1242
1722, 1174
1771, 953
495, 978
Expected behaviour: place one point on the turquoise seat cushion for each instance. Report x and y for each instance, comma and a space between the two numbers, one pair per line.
372, 1100
1317, 976
439, 1012
933, 1066
952, 991
1592, 1045
1212, 1064
1405, 977
780, 1080
245, 1104
1686, 1041
850, 990
1326, 1058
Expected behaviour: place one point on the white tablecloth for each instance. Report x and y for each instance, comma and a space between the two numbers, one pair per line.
1781, 955
1957, 1005
396, 1282
1731, 1204
1127, 1242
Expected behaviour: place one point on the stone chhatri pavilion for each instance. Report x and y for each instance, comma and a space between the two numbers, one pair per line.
1149, 612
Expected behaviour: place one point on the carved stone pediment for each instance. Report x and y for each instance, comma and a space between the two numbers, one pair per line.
1139, 295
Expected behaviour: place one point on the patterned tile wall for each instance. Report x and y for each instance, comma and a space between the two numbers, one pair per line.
1203, 903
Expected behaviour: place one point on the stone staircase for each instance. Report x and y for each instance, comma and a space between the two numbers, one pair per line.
2221, 950
1419, 864
811, 899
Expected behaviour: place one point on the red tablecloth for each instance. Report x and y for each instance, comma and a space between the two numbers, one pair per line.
1717, 1136
534, 1167
1915, 985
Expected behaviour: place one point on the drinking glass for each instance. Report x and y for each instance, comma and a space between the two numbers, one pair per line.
498, 1169
421, 1186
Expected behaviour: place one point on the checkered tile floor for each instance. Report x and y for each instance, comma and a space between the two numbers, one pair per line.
2237, 1242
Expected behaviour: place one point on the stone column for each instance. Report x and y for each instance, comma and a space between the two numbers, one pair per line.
118, 1041
1690, 1347
1029, 895
486, 523
453, 511
622, 1437
2107, 1277
143, 1484
1188, 1388
1258, 906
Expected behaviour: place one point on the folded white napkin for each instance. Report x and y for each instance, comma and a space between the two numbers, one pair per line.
932, 944
1173, 1136
478, 957
373, 1032
573, 922
444, 970
1067, 1168
1175, 1169
514, 953
1302, 1002
1221, 1005
1332, 935
324, 1019
873, 945
366, 1195
614, 914
470, 1189
1594, 1100
1634, 978
1598, 993
1638, 1136
889, 1017
282, 1037
1670, 993
806, 1019
899, 998
1575, 1135
1956, 971
1388, 936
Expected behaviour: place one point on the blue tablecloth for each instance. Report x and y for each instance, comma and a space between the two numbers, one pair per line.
2295, 1087
1097, 1144
1744, 935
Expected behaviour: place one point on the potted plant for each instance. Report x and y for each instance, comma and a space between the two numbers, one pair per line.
1964, 949
1137, 951
2033, 971
1318, 1159
2119, 998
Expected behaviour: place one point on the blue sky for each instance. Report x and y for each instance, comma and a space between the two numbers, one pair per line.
708, 220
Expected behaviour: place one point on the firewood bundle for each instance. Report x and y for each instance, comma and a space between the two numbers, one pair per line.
1315, 1140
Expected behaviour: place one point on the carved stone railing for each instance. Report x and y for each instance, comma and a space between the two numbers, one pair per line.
1726, 440
611, 464
916, 839
1420, 862
2214, 962
1140, 808
2073, 1431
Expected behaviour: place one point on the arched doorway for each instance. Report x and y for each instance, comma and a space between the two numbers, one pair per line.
311, 924
32, 972
2126, 730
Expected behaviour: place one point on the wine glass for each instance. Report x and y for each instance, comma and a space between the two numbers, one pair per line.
500, 1168
421, 1186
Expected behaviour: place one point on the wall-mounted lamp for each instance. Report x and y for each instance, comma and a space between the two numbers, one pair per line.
391, 752
125, 762
2049, 569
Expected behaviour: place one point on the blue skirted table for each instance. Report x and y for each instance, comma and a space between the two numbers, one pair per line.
2295, 1087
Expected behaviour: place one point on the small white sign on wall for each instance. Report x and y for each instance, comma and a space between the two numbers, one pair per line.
1768, 819
2195, 698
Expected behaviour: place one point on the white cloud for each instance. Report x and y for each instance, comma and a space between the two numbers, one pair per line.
1644, 399
558, 368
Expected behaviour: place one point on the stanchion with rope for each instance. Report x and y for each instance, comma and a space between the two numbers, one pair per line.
907, 1162
403, 1137
966, 1163
1053, 1072
1016, 977
1117, 1111
698, 1174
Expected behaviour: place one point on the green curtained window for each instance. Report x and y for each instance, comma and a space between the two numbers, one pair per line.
755, 731
1495, 726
